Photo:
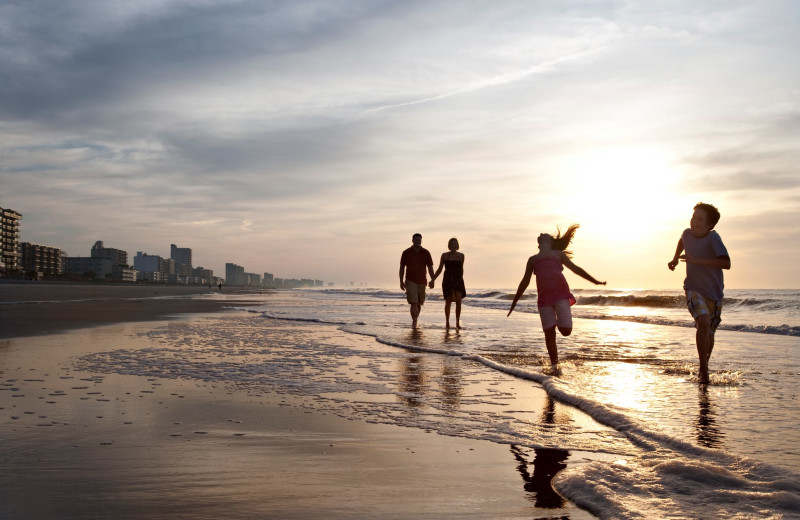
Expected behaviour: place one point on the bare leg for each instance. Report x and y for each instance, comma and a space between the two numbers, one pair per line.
415, 308
565, 331
458, 309
550, 342
703, 338
447, 303
710, 344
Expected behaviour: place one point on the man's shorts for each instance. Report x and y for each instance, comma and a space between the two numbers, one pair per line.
557, 314
415, 293
699, 305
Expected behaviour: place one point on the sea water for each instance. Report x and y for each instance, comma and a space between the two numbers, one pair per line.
666, 446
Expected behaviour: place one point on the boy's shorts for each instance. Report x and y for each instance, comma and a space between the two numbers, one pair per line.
557, 314
699, 305
415, 293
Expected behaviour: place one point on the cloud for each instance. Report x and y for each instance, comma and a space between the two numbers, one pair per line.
291, 126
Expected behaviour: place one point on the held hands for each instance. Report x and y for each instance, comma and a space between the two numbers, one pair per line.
430, 284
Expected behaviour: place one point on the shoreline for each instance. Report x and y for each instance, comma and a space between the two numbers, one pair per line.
111, 445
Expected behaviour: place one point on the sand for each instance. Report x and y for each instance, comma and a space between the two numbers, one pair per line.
33, 308
77, 444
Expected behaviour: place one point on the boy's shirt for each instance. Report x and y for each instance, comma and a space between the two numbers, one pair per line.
706, 280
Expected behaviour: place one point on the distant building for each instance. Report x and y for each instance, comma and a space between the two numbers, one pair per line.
234, 275
9, 237
117, 256
203, 276
100, 268
43, 260
268, 280
252, 280
119, 261
183, 259
152, 268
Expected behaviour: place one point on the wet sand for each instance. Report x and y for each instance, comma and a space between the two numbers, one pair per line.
79, 444
28, 309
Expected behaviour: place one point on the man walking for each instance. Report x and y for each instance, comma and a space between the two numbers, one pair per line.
413, 261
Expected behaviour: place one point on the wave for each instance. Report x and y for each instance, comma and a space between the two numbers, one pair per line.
667, 462
764, 299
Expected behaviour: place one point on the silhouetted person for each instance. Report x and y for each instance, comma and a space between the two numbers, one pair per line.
453, 289
413, 262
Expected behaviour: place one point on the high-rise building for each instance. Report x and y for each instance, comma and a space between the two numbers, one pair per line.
234, 275
152, 268
40, 259
9, 240
182, 256
117, 256
100, 268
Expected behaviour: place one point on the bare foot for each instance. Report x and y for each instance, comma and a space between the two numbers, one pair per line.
414, 323
554, 370
458, 326
447, 326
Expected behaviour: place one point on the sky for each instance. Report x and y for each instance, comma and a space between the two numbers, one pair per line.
311, 139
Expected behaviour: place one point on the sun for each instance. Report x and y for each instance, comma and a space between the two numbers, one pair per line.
622, 192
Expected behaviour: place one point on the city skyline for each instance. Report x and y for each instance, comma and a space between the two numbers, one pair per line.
182, 252
317, 136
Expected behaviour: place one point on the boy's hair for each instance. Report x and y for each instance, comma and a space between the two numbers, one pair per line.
712, 213
561, 242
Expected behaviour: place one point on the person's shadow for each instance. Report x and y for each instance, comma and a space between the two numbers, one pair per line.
708, 434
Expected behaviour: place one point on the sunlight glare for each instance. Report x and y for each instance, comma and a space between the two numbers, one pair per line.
622, 192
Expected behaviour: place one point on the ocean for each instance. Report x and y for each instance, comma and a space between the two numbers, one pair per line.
625, 428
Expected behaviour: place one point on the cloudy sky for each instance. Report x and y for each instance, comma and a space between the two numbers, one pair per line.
312, 138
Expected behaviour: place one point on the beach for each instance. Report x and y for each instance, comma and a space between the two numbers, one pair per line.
112, 405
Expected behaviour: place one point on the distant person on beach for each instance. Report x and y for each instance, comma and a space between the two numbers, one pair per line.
453, 288
705, 257
413, 262
554, 298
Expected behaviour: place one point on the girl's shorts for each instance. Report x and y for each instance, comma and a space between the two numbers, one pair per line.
557, 314
699, 305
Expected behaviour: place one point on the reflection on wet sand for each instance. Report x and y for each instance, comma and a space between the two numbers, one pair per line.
451, 385
547, 462
708, 434
412, 381
549, 414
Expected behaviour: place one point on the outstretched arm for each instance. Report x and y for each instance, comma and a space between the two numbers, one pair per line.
577, 270
526, 280
676, 258
439, 269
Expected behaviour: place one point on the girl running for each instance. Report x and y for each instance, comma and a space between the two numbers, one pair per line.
554, 298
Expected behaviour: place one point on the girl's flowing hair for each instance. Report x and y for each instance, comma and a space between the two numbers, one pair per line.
561, 242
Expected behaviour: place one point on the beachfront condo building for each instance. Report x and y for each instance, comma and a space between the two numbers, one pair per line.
9, 240
97, 268
234, 275
183, 259
117, 256
153, 268
39, 259
201, 275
